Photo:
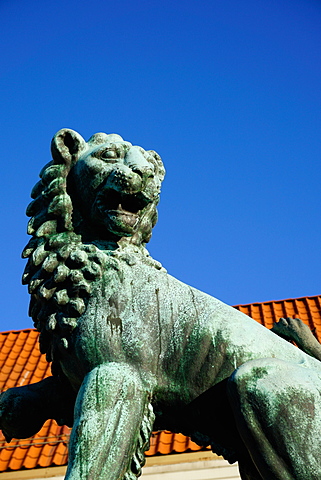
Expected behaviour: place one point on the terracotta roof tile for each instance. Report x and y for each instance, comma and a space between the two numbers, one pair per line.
167, 442
21, 363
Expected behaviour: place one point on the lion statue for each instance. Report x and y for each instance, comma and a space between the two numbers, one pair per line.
133, 349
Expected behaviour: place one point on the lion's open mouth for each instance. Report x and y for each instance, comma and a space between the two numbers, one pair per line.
120, 212
123, 202
122, 209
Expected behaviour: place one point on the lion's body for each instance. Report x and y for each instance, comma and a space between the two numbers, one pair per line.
126, 338
184, 342
180, 340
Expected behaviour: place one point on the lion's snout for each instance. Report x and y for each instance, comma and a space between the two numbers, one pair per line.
123, 179
145, 173
136, 161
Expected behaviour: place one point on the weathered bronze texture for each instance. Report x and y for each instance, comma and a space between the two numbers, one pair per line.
132, 348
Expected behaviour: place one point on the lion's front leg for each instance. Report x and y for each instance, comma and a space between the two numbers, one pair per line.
113, 422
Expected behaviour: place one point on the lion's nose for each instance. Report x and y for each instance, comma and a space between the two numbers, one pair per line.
136, 161
144, 172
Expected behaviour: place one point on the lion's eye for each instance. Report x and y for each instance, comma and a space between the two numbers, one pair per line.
108, 154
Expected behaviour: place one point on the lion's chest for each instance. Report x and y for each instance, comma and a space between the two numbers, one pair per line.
121, 320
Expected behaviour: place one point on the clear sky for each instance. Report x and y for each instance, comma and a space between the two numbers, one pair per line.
226, 91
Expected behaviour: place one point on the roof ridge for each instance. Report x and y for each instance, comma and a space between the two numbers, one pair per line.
277, 301
6, 332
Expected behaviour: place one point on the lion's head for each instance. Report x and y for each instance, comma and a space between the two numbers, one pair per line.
93, 197
114, 186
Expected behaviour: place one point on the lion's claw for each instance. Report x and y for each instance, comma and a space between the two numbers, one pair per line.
293, 329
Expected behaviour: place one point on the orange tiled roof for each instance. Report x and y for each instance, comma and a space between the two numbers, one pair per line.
306, 308
21, 363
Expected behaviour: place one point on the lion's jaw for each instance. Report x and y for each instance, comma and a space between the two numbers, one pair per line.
117, 190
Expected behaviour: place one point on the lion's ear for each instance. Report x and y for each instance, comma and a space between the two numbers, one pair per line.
66, 146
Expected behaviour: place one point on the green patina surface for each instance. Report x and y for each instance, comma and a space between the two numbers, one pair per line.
130, 345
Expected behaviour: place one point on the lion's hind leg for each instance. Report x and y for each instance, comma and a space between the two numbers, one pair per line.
277, 407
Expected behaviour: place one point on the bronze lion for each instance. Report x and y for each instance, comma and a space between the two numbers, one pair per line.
132, 348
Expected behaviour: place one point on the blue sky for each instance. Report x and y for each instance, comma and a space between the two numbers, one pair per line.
226, 91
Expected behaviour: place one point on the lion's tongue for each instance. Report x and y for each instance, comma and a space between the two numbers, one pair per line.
129, 218
125, 216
